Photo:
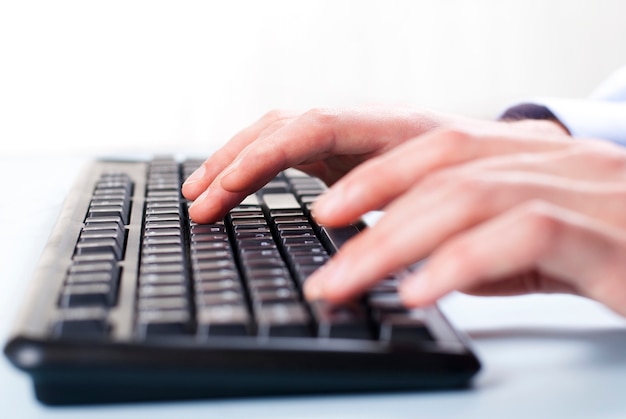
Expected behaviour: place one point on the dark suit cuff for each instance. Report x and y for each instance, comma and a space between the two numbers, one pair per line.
528, 111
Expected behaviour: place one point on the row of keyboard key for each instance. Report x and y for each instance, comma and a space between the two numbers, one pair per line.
92, 280
163, 305
276, 302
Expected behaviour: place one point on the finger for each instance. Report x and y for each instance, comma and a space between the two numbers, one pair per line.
214, 202
349, 136
592, 160
204, 210
428, 215
199, 181
586, 255
377, 182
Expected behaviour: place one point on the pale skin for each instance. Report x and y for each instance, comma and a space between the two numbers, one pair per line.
498, 208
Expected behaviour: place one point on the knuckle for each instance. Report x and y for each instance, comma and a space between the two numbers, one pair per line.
275, 115
542, 220
271, 128
610, 156
451, 139
323, 116
477, 192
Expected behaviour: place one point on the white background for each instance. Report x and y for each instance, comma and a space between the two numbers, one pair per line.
81, 77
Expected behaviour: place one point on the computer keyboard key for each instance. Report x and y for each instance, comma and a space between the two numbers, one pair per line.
290, 319
166, 258
212, 237
120, 211
163, 268
81, 295
163, 217
200, 255
269, 283
161, 249
82, 323
94, 257
215, 275
275, 186
295, 241
163, 240
297, 233
207, 287
384, 286
89, 278
163, 279
244, 214
160, 323
282, 219
257, 273
306, 250
213, 265
223, 320
210, 246
85, 246
151, 291
409, 327
311, 260
340, 321
266, 263
219, 298
248, 222
162, 232
90, 225
93, 266
257, 234
385, 301
162, 303
207, 228
103, 234
305, 271
336, 237
279, 295
255, 254
281, 201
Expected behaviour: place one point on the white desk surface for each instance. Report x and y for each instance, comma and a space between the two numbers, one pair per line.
543, 356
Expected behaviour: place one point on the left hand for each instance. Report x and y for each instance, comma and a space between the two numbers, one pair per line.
546, 218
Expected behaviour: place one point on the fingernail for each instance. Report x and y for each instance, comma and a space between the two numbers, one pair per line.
312, 290
414, 288
199, 199
327, 204
325, 278
196, 175
230, 169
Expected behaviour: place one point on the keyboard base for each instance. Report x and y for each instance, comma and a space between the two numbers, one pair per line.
144, 385
112, 373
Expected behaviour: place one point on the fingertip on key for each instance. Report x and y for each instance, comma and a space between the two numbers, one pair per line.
414, 290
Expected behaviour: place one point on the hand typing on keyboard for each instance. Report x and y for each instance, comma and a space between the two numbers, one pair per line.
499, 208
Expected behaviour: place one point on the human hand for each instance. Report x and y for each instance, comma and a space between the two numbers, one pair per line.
496, 214
322, 142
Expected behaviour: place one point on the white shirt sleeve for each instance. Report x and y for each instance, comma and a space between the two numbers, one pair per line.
603, 115
590, 118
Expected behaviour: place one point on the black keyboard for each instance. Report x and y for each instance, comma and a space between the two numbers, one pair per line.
133, 301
